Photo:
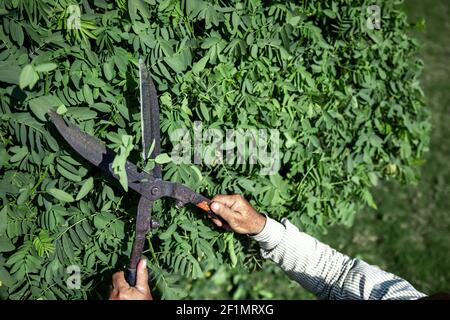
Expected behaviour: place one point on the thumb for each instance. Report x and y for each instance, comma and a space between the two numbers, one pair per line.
142, 275
222, 210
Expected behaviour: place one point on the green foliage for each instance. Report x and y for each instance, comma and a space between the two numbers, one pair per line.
345, 99
126, 145
43, 243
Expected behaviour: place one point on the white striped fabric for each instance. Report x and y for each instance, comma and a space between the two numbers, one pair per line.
324, 271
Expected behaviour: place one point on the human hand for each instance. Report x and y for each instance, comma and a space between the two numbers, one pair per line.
121, 290
238, 214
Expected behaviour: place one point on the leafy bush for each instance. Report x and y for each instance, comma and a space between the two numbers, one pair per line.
345, 99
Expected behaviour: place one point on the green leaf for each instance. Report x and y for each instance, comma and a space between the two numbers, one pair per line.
209, 42
67, 246
163, 158
294, 21
61, 109
46, 67
87, 93
16, 32
108, 70
231, 251
149, 165
376, 141
164, 70
67, 174
61, 195
9, 73
200, 65
373, 178
136, 8
28, 77
119, 161
85, 188
43, 243
123, 111
100, 106
5, 278
6, 245
197, 172
102, 220
367, 197
204, 111
329, 13
168, 233
41, 105
176, 63
19, 154
3, 220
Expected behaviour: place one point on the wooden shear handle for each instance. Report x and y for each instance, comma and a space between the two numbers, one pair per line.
205, 205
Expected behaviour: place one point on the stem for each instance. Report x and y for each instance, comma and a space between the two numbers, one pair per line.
152, 251
303, 178
46, 85
85, 218
70, 227
340, 182
41, 178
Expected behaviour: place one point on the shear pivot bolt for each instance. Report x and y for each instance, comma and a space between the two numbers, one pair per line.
155, 224
155, 191
179, 204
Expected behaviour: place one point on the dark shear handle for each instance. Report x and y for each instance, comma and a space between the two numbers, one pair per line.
130, 276
143, 226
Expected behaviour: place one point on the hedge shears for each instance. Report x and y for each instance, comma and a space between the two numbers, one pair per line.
149, 185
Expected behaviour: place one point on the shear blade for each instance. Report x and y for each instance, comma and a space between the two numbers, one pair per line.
94, 151
89, 147
150, 128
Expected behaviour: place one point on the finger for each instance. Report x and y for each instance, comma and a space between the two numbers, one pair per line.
142, 276
119, 281
217, 222
227, 227
228, 200
112, 292
113, 296
115, 278
215, 219
223, 224
223, 210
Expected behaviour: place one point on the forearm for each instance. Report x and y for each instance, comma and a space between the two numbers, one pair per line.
326, 272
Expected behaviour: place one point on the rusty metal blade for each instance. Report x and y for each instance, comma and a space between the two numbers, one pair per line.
149, 117
99, 155
143, 226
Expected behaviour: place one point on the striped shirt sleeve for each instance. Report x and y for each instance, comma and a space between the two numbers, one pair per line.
325, 272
